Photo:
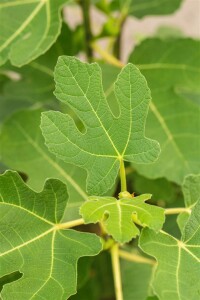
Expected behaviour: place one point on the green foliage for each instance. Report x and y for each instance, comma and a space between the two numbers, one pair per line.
133, 286
35, 85
116, 139
172, 120
140, 8
179, 259
34, 159
191, 192
99, 285
102, 135
46, 255
164, 193
33, 31
119, 216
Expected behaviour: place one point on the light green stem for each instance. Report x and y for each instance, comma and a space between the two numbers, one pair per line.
123, 176
116, 271
70, 224
136, 258
177, 210
107, 56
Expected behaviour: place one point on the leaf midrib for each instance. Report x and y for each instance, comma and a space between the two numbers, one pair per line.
27, 211
177, 272
179, 244
167, 66
75, 145
51, 267
48, 18
180, 247
94, 112
163, 124
29, 241
118, 202
168, 133
130, 115
23, 25
16, 3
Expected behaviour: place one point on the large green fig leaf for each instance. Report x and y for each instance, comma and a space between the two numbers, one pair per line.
28, 29
33, 158
35, 243
107, 140
36, 162
173, 119
118, 216
178, 272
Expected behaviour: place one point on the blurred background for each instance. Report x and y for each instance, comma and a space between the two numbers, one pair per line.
184, 22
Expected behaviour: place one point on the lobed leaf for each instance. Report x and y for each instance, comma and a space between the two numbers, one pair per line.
33, 158
28, 29
107, 140
178, 272
118, 216
34, 242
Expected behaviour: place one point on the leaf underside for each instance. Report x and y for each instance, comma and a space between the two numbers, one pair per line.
107, 139
33, 244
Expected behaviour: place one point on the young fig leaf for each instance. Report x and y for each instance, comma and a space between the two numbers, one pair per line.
118, 216
107, 140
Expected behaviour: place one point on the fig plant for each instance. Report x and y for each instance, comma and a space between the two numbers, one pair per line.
102, 156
